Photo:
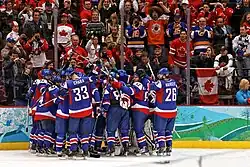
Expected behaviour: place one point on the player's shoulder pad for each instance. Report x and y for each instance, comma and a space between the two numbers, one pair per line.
43, 81
36, 82
138, 85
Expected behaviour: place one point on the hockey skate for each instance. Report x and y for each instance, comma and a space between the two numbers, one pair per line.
111, 152
33, 148
161, 151
143, 151
125, 150
73, 155
40, 152
83, 155
168, 151
61, 155
93, 153
49, 152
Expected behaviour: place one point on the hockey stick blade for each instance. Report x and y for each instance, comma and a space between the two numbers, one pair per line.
94, 155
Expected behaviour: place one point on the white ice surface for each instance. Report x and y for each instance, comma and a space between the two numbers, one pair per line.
179, 158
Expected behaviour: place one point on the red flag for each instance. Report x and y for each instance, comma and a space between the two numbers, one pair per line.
208, 85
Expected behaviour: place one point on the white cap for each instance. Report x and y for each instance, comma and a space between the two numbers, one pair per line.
185, 2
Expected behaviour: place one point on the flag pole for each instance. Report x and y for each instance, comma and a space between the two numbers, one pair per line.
188, 58
55, 13
122, 38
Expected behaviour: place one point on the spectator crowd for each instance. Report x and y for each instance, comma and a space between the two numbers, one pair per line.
90, 31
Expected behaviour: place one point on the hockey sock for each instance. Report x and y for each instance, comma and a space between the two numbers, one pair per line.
141, 140
59, 142
125, 138
98, 141
48, 140
32, 135
111, 139
73, 142
40, 138
85, 142
161, 139
169, 138
155, 138
92, 140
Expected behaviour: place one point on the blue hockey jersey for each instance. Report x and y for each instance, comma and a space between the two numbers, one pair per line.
135, 36
46, 108
140, 97
166, 95
63, 106
81, 93
113, 97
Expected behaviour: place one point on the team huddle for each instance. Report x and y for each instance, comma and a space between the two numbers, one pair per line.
75, 115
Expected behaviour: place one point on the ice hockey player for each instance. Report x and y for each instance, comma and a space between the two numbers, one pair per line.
46, 113
80, 95
33, 96
165, 110
140, 110
116, 104
62, 116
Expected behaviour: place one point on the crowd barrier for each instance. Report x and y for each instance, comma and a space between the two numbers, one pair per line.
196, 127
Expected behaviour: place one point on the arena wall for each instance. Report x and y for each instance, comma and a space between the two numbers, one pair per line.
196, 127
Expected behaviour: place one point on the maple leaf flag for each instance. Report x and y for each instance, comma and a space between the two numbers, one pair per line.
208, 85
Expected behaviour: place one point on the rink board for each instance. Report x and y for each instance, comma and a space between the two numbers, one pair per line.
196, 127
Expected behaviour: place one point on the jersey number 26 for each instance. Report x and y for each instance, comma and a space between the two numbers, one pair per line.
171, 94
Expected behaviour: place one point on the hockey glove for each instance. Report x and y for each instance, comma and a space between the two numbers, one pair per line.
116, 84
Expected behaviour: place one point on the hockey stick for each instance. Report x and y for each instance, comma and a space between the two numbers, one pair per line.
28, 117
151, 71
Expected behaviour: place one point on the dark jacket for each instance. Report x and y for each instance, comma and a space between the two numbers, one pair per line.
6, 22
30, 28
220, 36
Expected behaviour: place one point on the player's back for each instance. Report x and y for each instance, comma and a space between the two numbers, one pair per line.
166, 98
80, 98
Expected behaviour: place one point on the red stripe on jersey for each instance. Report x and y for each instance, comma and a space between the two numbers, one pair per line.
62, 116
82, 114
42, 117
159, 96
143, 110
166, 114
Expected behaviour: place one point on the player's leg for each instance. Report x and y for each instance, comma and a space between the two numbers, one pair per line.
61, 130
49, 131
40, 136
124, 130
73, 130
33, 137
169, 131
113, 120
160, 126
139, 119
99, 133
85, 129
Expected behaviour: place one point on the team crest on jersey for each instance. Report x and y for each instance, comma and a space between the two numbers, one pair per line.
156, 28
125, 101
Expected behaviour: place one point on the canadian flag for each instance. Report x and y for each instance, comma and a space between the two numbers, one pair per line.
208, 85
